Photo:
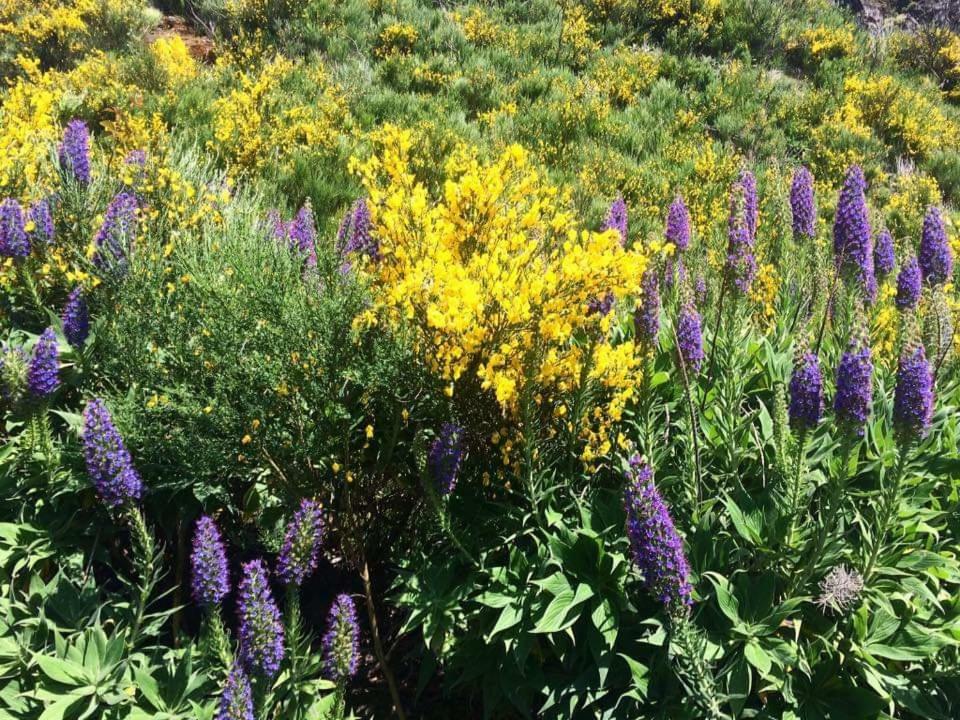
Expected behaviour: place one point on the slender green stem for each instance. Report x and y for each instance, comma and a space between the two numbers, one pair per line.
795, 485
444, 516
688, 394
219, 640
144, 552
693, 667
889, 502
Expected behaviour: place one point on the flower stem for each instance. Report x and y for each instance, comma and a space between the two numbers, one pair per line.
889, 502
795, 485
377, 644
693, 668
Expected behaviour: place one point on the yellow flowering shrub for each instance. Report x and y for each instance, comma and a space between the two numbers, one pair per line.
625, 73
884, 324
576, 35
763, 292
495, 275
396, 39
912, 193
814, 45
478, 27
174, 60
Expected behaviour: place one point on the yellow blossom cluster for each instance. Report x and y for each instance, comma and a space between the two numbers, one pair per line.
912, 193
173, 59
576, 35
763, 293
396, 39
824, 43
478, 27
625, 73
884, 324
496, 276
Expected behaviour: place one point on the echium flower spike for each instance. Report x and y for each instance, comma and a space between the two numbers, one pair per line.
909, 285
654, 542
301, 543
806, 391
935, 256
803, 205
14, 242
74, 151
76, 319
303, 235
341, 642
678, 225
43, 373
751, 206
42, 219
261, 630
646, 318
108, 460
356, 232
884, 256
208, 562
913, 399
617, 218
852, 237
854, 397
116, 234
236, 701
690, 338
444, 458
741, 265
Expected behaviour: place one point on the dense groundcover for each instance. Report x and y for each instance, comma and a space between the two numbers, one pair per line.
531, 358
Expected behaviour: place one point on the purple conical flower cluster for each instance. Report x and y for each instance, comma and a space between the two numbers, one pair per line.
76, 319
852, 237
601, 306
914, 396
646, 318
678, 225
303, 234
751, 206
909, 285
42, 219
261, 631
108, 461
854, 397
806, 393
13, 235
884, 257
301, 544
341, 642
690, 338
617, 218
208, 562
236, 701
74, 151
116, 234
356, 232
445, 456
935, 256
741, 263
43, 372
803, 206
655, 544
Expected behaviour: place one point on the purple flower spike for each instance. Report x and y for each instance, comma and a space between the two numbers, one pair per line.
854, 396
802, 204
655, 544
261, 632
914, 397
42, 219
43, 373
852, 238
356, 232
303, 235
678, 225
646, 318
443, 461
617, 219
909, 285
935, 256
806, 393
600, 306
700, 290
74, 151
341, 642
236, 701
741, 264
884, 257
116, 234
751, 207
301, 544
211, 577
13, 235
690, 338
108, 461
76, 319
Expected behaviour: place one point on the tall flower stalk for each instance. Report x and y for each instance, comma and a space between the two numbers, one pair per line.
210, 584
805, 411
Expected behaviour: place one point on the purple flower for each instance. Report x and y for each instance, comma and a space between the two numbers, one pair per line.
914, 397
236, 701
261, 632
655, 544
76, 319
356, 232
678, 225
690, 338
806, 393
884, 258
43, 372
443, 461
854, 396
852, 238
909, 283
74, 151
617, 219
108, 461
751, 208
935, 256
802, 204
116, 234
13, 236
301, 544
601, 305
700, 290
741, 263
208, 561
39, 215
303, 235
646, 318
341, 642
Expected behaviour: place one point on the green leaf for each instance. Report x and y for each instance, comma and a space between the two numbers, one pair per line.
61, 671
509, 617
553, 617
59, 709
757, 657
726, 601
639, 672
